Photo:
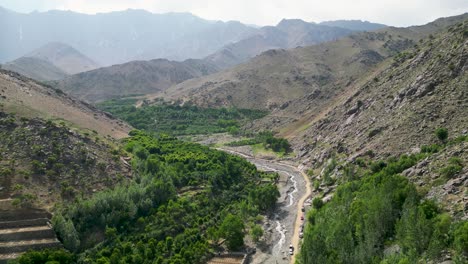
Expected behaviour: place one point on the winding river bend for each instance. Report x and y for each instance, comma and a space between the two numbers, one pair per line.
283, 227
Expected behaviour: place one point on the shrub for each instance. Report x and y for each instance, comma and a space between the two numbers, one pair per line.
6, 172
455, 161
360, 162
442, 134
461, 239
49, 256
38, 167
378, 166
256, 233
434, 148
317, 203
450, 170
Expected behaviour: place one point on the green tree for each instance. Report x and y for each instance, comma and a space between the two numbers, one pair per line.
232, 229
414, 229
256, 232
461, 239
317, 203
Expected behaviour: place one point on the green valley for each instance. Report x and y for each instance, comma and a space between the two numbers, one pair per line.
181, 120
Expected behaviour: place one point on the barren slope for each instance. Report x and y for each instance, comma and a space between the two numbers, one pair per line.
137, 77
274, 78
27, 98
64, 57
289, 33
35, 68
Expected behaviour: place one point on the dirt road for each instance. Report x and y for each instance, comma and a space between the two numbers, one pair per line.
295, 238
283, 227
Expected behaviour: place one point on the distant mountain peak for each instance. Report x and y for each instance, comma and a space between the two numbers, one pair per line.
52, 61
64, 56
290, 22
355, 25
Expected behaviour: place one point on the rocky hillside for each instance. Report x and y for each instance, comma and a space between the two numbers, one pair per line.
277, 78
396, 110
27, 98
43, 162
274, 78
53, 150
137, 77
52, 61
288, 34
421, 89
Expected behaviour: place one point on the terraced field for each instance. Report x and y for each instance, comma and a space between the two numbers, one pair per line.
22, 230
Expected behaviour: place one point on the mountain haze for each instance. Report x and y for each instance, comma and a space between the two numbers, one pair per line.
52, 61
64, 57
289, 33
35, 68
276, 78
355, 25
142, 77
117, 37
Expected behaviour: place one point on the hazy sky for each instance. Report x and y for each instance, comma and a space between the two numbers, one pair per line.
267, 12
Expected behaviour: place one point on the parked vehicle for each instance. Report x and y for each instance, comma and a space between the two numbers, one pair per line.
291, 250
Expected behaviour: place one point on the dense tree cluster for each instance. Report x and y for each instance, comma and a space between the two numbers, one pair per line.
268, 140
180, 120
183, 199
48, 256
378, 210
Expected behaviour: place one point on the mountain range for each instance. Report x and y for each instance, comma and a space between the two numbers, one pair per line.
52, 61
275, 78
117, 37
132, 78
289, 33
152, 76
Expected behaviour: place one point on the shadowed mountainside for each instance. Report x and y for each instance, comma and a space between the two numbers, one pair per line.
132, 78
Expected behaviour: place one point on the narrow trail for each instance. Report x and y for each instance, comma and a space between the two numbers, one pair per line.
294, 235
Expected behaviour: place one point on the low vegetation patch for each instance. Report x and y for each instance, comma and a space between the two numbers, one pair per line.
267, 140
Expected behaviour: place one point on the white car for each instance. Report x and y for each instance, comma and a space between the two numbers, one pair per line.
301, 234
291, 250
